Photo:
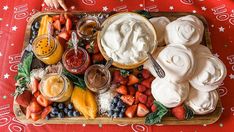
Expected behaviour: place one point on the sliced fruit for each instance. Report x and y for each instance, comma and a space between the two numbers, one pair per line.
132, 79
147, 82
145, 73
128, 99
62, 41
92, 47
148, 92
35, 116
43, 101
68, 24
64, 35
131, 90
150, 101
34, 85
142, 110
122, 90
153, 108
131, 111
36, 94
56, 17
45, 112
68, 15
142, 98
182, 112
137, 95
97, 58
118, 78
34, 106
28, 113
62, 19
141, 88
24, 98
57, 25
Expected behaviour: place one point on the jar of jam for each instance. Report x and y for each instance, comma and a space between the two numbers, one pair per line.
87, 27
49, 53
76, 63
97, 78
56, 87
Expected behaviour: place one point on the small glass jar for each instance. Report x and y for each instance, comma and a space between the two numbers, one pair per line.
56, 87
49, 53
97, 78
76, 63
87, 27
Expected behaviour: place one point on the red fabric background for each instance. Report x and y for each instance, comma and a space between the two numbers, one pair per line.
15, 13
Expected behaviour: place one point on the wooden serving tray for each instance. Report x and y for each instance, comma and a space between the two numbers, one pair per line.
197, 120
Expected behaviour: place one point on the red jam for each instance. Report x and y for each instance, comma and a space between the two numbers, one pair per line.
76, 63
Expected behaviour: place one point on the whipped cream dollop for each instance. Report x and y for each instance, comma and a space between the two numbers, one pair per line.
209, 72
127, 38
202, 102
183, 32
177, 61
168, 93
160, 24
198, 49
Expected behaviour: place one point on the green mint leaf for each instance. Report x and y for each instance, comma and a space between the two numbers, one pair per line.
78, 81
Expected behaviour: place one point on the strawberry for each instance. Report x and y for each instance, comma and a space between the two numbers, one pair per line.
64, 35
142, 98
45, 112
34, 85
57, 25
28, 113
141, 88
62, 41
147, 82
24, 98
97, 58
132, 80
118, 78
145, 73
122, 90
62, 19
182, 112
92, 47
68, 15
128, 99
68, 24
131, 110
150, 101
131, 90
148, 92
35, 116
36, 94
56, 17
137, 95
153, 108
142, 110
34, 106
43, 101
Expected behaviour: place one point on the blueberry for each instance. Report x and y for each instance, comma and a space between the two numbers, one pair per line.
37, 25
76, 113
140, 68
47, 117
120, 104
111, 112
122, 110
135, 86
54, 110
130, 71
65, 110
70, 106
115, 114
31, 41
61, 115
139, 75
112, 106
60, 106
52, 115
115, 100
35, 33
121, 115
33, 28
70, 113
55, 104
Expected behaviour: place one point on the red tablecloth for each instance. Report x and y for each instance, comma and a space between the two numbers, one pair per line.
15, 13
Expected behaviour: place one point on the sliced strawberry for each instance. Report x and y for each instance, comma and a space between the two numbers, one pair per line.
34, 106
62, 19
142, 98
153, 108
64, 29
132, 79
148, 92
64, 35
89, 48
57, 25
63, 42
68, 24
137, 95
179, 112
68, 15
145, 73
122, 90
28, 113
35, 116
43, 101
128, 99
34, 85
97, 58
45, 112
131, 111
24, 98
142, 110
36, 94
150, 101
147, 82
141, 88
56, 17
118, 78
131, 90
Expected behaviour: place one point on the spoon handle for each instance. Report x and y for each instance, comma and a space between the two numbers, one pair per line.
108, 63
158, 69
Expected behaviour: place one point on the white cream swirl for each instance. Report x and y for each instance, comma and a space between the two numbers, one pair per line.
160, 24
177, 61
209, 72
168, 93
183, 32
202, 102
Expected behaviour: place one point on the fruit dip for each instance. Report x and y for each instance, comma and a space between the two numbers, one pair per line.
97, 78
160, 24
202, 102
168, 93
127, 38
49, 53
76, 63
209, 72
56, 87
186, 31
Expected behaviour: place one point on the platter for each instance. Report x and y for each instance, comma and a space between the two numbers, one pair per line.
168, 120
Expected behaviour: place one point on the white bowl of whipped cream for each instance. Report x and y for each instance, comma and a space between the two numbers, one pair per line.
126, 38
